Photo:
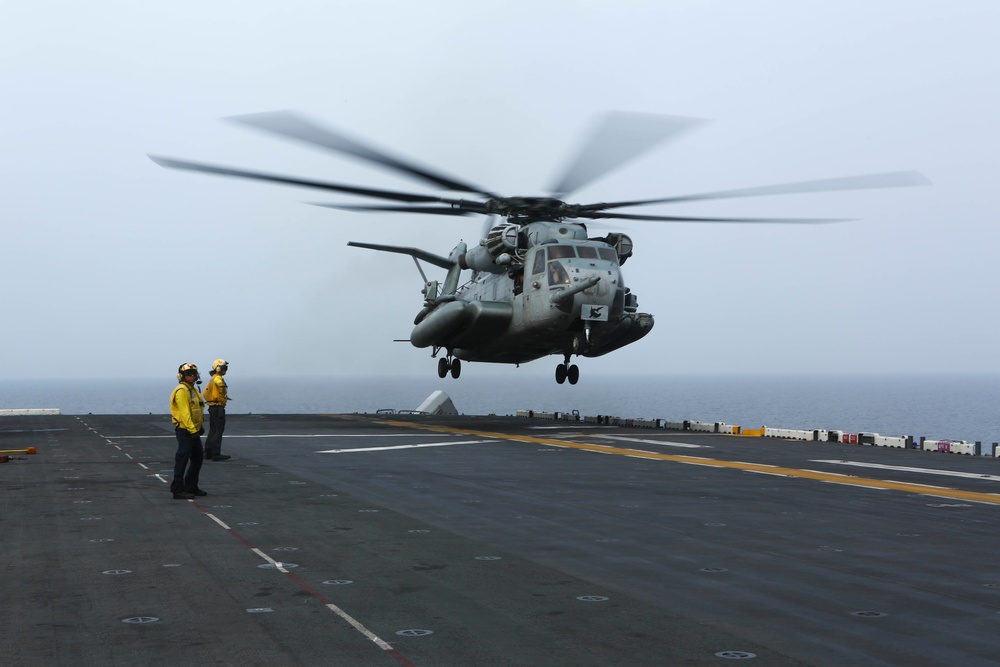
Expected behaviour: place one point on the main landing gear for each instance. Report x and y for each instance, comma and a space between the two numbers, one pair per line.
565, 371
446, 364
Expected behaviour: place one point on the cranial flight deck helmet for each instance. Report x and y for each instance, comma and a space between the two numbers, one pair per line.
220, 363
187, 369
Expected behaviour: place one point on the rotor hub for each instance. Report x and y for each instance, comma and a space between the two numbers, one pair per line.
522, 210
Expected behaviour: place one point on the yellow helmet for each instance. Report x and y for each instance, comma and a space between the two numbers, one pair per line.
219, 362
187, 369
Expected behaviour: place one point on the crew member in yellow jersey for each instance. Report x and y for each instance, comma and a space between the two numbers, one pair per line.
216, 395
187, 413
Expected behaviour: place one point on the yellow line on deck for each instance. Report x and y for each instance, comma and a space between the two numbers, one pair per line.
864, 482
29, 450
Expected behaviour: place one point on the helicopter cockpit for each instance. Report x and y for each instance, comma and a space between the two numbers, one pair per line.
549, 260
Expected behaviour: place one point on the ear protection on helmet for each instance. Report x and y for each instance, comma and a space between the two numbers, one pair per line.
187, 368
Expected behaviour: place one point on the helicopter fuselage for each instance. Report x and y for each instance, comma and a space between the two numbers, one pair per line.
563, 296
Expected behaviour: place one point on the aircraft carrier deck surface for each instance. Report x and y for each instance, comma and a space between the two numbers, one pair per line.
479, 541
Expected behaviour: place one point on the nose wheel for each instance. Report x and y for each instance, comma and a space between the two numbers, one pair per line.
566, 371
449, 364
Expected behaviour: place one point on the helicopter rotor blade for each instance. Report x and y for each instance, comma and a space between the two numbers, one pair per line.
293, 126
897, 179
286, 180
434, 210
598, 215
618, 138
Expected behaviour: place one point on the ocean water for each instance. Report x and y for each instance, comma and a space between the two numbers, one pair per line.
955, 407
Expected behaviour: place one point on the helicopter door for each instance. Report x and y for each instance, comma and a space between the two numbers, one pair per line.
536, 294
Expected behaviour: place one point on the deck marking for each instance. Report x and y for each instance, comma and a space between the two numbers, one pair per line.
426, 444
378, 641
385, 646
665, 443
330, 435
294, 435
278, 565
357, 626
927, 471
587, 427
862, 482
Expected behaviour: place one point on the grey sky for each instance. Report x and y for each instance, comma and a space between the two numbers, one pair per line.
114, 265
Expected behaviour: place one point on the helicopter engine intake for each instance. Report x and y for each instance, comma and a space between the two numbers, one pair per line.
480, 259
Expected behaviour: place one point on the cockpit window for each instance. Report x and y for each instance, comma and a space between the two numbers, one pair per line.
561, 251
586, 252
608, 254
558, 274
539, 264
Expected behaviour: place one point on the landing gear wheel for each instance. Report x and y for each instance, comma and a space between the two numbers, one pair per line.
573, 374
456, 368
561, 373
443, 367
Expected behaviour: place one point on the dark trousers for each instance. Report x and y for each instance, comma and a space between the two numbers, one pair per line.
216, 427
187, 463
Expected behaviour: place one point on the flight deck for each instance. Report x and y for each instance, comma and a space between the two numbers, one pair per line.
438, 541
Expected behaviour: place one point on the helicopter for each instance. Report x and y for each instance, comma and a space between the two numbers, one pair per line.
540, 284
